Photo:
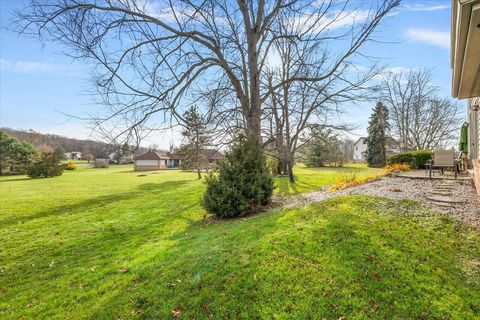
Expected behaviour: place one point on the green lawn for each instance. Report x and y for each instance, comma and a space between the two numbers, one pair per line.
113, 243
311, 179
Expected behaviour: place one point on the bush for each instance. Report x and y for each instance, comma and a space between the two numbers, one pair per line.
396, 168
101, 164
352, 180
415, 159
404, 158
243, 183
420, 158
15, 156
47, 166
71, 165
274, 165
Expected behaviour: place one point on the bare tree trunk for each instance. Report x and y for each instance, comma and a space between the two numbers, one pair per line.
291, 177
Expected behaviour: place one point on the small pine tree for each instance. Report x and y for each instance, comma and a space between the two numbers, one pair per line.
196, 138
323, 148
60, 153
243, 183
47, 166
377, 136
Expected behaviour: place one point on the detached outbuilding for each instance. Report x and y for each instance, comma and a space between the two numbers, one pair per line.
155, 160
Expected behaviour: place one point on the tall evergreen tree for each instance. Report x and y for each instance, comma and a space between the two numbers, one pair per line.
377, 136
196, 139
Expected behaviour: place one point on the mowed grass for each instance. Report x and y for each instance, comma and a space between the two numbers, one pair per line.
311, 179
117, 244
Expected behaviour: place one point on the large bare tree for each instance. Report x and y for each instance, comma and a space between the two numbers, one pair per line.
155, 56
295, 107
419, 118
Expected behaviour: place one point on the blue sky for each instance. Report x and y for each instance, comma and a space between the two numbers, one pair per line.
38, 83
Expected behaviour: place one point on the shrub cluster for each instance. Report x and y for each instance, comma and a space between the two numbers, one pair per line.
352, 180
420, 158
243, 182
396, 168
415, 159
101, 164
47, 166
71, 165
15, 156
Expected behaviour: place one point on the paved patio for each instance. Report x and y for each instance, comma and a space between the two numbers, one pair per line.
423, 174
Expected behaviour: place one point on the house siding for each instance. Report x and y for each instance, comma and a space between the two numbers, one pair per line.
359, 150
148, 165
474, 141
474, 130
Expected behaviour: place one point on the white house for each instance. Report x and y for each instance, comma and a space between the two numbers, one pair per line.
359, 150
124, 159
73, 155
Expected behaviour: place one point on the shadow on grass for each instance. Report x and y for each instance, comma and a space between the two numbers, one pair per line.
89, 204
95, 248
165, 185
326, 259
16, 179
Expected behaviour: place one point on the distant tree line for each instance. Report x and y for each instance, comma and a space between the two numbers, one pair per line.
53, 142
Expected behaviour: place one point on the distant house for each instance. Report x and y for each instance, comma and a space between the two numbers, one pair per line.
359, 150
156, 160
214, 155
113, 158
73, 155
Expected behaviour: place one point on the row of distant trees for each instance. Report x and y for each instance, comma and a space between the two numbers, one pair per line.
49, 142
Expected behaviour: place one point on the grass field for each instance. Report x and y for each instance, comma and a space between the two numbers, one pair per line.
113, 243
311, 179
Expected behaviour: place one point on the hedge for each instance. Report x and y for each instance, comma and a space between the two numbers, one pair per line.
415, 159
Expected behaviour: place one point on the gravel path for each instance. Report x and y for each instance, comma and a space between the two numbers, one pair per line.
466, 211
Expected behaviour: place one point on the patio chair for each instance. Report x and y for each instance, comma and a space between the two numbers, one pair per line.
443, 159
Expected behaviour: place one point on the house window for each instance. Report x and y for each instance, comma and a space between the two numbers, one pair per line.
165, 162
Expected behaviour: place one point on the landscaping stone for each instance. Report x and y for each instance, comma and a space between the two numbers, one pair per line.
443, 199
442, 204
441, 193
465, 206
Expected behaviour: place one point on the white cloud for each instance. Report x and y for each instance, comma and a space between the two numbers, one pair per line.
398, 70
437, 38
425, 7
38, 67
333, 20
392, 70
419, 7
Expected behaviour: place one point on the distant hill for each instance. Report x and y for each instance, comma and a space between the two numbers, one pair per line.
96, 148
